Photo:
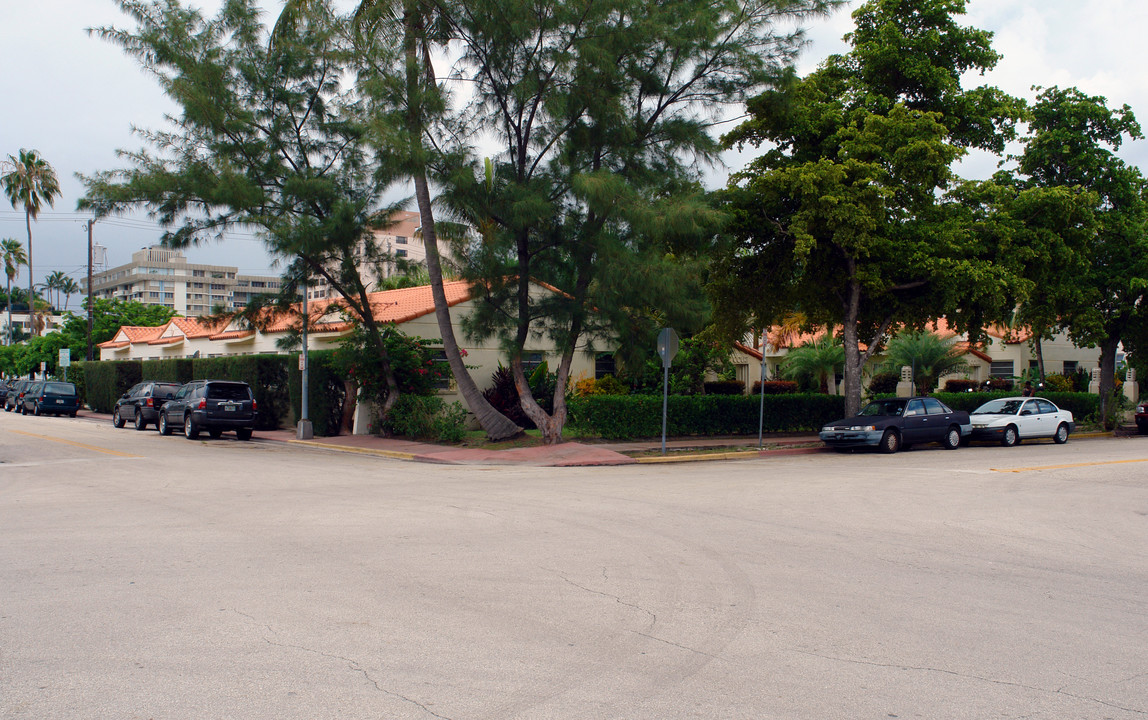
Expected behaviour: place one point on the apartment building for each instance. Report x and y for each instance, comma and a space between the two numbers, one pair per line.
158, 276
402, 239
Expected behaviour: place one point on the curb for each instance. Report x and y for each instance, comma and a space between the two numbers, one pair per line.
736, 455
344, 448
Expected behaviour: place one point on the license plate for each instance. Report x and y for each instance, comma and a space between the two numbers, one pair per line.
59, 401
229, 408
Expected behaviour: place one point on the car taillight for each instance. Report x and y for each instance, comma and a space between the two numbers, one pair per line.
202, 404
254, 406
150, 403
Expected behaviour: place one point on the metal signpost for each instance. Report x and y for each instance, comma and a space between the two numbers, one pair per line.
667, 349
65, 361
761, 389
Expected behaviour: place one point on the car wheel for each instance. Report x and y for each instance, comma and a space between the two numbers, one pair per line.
140, 423
71, 414
243, 433
952, 438
36, 410
890, 442
117, 419
190, 429
215, 433
1010, 437
164, 428
1061, 436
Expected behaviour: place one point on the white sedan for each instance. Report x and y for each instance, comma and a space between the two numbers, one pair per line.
1013, 419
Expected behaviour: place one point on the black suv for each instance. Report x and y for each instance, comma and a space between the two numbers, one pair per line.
142, 403
211, 405
15, 398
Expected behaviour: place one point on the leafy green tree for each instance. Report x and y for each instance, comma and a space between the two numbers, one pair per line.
601, 111
268, 138
1071, 146
843, 217
930, 356
14, 256
108, 317
815, 361
30, 183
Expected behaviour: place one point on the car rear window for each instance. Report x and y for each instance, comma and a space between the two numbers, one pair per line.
165, 389
228, 391
60, 388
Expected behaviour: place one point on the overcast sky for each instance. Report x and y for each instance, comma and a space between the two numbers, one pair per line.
74, 98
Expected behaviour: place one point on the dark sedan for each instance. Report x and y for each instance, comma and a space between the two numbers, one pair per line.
898, 423
16, 395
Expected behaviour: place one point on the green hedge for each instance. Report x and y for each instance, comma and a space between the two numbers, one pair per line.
326, 393
622, 417
1081, 405
102, 383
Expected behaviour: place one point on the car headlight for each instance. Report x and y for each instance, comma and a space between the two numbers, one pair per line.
827, 428
863, 428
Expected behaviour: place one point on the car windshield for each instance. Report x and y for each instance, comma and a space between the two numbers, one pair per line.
60, 388
999, 407
884, 408
228, 391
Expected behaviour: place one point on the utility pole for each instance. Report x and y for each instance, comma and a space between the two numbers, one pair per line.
91, 307
304, 430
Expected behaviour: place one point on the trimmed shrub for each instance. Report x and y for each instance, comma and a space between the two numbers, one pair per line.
959, 385
606, 385
427, 417
176, 370
775, 387
266, 374
724, 387
106, 381
884, 383
1081, 405
623, 417
1059, 383
326, 392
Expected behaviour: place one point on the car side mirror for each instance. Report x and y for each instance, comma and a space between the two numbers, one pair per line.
1026, 412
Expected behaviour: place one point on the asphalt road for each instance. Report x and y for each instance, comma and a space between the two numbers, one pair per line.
148, 577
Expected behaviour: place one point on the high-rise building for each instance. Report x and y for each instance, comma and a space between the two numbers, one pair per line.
158, 276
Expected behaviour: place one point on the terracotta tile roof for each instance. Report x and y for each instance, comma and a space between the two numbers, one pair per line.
970, 350
137, 334
755, 354
170, 340
397, 306
233, 335
109, 344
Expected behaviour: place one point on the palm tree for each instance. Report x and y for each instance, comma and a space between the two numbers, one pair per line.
818, 360
54, 282
930, 356
31, 183
69, 287
13, 255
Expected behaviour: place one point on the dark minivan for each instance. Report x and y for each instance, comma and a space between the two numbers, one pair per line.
142, 402
51, 397
211, 405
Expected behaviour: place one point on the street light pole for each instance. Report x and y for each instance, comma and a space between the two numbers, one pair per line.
304, 431
91, 309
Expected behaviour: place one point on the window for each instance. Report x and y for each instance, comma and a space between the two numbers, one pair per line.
1045, 406
438, 356
530, 362
933, 406
1001, 369
198, 273
400, 240
1069, 367
605, 365
915, 407
400, 253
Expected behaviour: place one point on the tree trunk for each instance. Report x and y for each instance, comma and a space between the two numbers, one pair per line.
1108, 382
1038, 348
496, 425
351, 392
31, 275
851, 382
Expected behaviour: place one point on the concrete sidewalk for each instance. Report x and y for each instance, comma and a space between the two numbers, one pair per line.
568, 454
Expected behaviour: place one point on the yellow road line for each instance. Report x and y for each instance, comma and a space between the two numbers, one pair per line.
1061, 467
117, 453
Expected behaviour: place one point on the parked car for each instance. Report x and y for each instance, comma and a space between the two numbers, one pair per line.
3, 391
899, 423
142, 403
211, 405
16, 395
1013, 419
1142, 418
51, 397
